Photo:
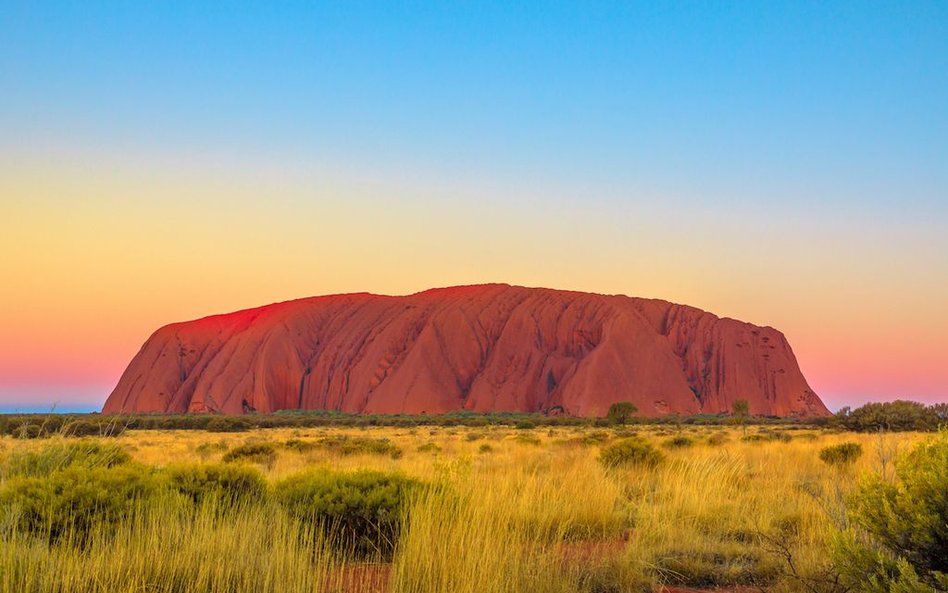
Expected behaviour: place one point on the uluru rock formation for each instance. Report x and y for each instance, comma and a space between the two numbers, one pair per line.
481, 348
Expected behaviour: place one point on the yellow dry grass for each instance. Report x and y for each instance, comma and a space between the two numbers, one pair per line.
507, 511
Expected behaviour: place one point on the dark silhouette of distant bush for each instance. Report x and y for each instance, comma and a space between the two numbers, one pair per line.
899, 415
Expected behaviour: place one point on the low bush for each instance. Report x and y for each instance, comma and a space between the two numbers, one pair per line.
69, 503
485, 448
900, 538
56, 456
775, 435
528, 439
87, 428
299, 445
631, 451
349, 445
262, 453
227, 483
205, 450
678, 442
227, 424
363, 510
429, 448
839, 455
717, 439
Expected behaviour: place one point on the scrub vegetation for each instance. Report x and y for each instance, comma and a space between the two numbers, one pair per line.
500, 507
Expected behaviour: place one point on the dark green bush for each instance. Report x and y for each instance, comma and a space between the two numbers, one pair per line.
900, 538
348, 445
429, 448
843, 454
631, 451
299, 445
87, 428
59, 455
363, 509
227, 424
774, 435
206, 449
227, 483
70, 502
262, 453
621, 412
896, 416
678, 442
485, 448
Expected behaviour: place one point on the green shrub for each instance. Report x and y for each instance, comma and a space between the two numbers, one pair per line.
60, 455
206, 449
348, 445
621, 412
900, 539
68, 503
485, 448
227, 483
429, 448
87, 428
528, 439
262, 453
844, 454
227, 424
767, 434
299, 445
717, 439
363, 509
678, 442
631, 451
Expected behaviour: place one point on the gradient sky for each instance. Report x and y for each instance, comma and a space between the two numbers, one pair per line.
782, 163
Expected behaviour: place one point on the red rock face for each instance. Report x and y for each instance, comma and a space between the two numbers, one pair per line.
481, 348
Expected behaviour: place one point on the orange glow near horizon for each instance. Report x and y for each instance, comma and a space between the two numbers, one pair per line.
97, 255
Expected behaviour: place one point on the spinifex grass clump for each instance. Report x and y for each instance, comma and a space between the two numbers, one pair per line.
60, 454
631, 451
842, 454
429, 448
166, 547
74, 500
350, 445
228, 483
262, 453
363, 510
299, 445
678, 442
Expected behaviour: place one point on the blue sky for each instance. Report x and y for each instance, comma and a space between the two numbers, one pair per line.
780, 162
719, 96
